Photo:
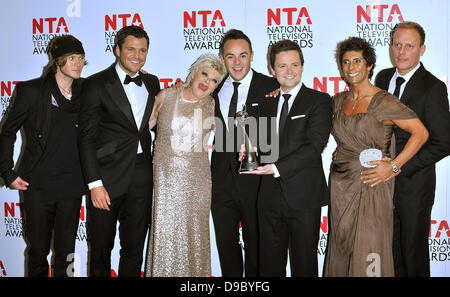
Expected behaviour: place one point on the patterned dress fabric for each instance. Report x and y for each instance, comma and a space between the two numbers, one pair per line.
179, 243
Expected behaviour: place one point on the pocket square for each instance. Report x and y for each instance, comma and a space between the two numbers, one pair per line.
255, 104
54, 102
298, 116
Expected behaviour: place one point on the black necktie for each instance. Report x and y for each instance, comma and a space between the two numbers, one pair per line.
233, 103
398, 83
137, 80
284, 113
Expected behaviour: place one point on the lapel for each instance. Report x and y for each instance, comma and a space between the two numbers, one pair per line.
384, 83
411, 87
116, 92
253, 89
296, 105
43, 117
150, 102
217, 113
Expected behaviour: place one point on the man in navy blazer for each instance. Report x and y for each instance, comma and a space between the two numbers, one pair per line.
293, 187
414, 191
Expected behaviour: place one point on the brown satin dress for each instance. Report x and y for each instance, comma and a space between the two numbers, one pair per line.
361, 217
179, 244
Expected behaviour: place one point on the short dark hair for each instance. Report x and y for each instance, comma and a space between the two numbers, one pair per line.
358, 45
123, 33
282, 46
409, 25
234, 34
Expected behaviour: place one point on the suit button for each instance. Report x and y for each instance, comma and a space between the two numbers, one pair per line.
39, 136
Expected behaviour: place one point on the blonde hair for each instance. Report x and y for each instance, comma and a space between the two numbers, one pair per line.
206, 60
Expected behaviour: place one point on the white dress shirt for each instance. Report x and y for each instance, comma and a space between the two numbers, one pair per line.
293, 93
407, 77
226, 92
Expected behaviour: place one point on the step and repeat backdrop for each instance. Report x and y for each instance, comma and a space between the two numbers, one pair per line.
180, 31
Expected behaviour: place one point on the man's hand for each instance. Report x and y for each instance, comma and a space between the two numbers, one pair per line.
100, 198
261, 170
381, 173
273, 94
19, 184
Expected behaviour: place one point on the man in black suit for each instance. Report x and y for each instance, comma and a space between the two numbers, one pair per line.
293, 187
234, 196
115, 150
426, 95
49, 175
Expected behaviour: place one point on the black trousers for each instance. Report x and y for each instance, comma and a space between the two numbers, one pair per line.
410, 240
235, 204
133, 212
284, 230
42, 217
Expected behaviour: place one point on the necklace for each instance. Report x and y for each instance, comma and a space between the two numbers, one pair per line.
357, 99
66, 94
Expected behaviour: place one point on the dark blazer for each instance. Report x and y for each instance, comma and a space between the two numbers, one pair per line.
222, 161
427, 96
108, 136
30, 108
301, 144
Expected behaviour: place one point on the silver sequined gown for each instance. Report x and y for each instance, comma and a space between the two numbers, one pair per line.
179, 239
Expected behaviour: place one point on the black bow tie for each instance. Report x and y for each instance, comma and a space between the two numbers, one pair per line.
137, 80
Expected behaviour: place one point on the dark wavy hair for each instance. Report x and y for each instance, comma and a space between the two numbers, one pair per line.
356, 44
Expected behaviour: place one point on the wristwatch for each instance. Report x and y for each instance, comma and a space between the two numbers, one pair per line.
394, 167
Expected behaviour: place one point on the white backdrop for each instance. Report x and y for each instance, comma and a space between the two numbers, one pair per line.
182, 30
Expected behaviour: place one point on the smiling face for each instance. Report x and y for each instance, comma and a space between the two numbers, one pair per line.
354, 67
132, 54
406, 50
73, 66
287, 69
204, 82
237, 58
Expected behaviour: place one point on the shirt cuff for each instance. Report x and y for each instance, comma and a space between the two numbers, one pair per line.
276, 173
95, 184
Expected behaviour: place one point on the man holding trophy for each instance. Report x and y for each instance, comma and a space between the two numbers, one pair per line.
293, 186
233, 195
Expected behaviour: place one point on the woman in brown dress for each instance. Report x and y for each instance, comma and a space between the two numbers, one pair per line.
179, 237
361, 211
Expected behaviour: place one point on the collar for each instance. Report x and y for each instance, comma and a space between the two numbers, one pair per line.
122, 74
408, 75
293, 92
244, 82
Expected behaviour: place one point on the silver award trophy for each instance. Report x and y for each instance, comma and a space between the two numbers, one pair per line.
250, 161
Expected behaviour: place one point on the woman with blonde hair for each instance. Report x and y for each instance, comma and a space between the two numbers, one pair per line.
179, 238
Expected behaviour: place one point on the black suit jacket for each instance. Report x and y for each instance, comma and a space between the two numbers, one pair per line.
427, 96
30, 108
108, 136
223, 162
299, 161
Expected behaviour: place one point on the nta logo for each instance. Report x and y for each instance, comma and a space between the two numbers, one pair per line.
48, 25
375, 13
111, 21
289, 14
192, 18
